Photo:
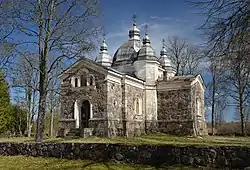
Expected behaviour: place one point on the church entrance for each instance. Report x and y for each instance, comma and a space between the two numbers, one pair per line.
85, 114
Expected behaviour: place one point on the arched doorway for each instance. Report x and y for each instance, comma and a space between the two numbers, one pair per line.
85, 114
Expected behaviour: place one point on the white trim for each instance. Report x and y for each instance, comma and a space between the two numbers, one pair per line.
200, 81
91, 111
76, 114
133, 83
113, 79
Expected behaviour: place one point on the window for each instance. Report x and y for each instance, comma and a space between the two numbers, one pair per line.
91, 81
76, 82
83, 80
137, 106
198, 107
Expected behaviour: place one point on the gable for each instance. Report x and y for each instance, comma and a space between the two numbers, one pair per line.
83, 65
199, 79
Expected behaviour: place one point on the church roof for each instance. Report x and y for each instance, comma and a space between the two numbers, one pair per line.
147, 52
127, 52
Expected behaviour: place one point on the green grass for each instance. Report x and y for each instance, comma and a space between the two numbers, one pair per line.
153, 139
22, 162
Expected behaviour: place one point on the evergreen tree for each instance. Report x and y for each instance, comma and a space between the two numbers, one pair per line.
5, 106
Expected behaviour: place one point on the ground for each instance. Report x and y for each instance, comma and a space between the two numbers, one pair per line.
22, 162
153, 139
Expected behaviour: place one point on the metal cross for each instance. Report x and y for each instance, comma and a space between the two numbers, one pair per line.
134, 18
146, 28
163, 42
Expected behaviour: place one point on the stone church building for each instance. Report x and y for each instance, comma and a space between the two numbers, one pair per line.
132, 93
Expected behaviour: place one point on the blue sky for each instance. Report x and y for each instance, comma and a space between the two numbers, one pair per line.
164, 18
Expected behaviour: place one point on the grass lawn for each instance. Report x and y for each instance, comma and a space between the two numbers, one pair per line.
153, 139
22, 162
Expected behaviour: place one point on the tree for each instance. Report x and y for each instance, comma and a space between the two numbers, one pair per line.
24, 76
239, 78
5, 106
176, 51
59, 30
18, 120
227, 24
185, 56
225, 20
216, 94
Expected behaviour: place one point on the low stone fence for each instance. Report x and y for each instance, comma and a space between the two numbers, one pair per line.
216, 157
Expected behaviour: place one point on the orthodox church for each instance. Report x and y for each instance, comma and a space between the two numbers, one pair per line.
132, 93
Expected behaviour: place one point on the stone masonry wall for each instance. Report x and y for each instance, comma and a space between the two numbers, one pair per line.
114, 109
174, 112
95, 94
198, 96
135, 124
222, 157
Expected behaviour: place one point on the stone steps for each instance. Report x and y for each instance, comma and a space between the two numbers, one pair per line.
77, 132
73, 133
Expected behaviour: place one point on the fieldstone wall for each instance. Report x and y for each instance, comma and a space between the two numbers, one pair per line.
96, 94
133, 123
214, 157
174, 112
198, 111
114, 107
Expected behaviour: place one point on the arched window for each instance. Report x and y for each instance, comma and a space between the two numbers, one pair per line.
83, 80
76, 82
198, 103
91, 81
137, 106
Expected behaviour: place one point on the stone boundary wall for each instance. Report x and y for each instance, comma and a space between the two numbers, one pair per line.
221, 157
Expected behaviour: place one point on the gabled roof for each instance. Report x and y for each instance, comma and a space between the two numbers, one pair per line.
93, 64
76, 64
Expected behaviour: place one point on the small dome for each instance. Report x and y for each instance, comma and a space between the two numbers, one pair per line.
127, 52
147, 52
104, 58
134, 32
165, 60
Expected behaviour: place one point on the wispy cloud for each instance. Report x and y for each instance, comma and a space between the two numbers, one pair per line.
158, 28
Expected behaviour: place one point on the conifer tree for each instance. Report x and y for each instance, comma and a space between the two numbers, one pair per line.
5, 106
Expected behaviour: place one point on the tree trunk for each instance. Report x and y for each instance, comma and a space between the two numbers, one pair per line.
43, 53
42, 81
51, 122
213, 102
241, 110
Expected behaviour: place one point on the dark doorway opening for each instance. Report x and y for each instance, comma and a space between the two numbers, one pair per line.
85, 114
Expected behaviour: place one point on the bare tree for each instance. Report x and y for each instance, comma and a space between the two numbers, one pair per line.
53, 98
216, 95
176, 50
192, 60
239, 78
58, 29
225, 20
228, 23
24, 76
186, 57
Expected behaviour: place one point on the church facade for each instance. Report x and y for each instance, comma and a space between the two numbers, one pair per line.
132, 93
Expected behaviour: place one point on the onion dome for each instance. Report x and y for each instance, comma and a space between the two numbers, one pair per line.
127, 52
104, 58
134, 33
146, 52
165, 60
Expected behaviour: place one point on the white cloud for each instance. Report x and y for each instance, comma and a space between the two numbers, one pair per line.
158, 28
